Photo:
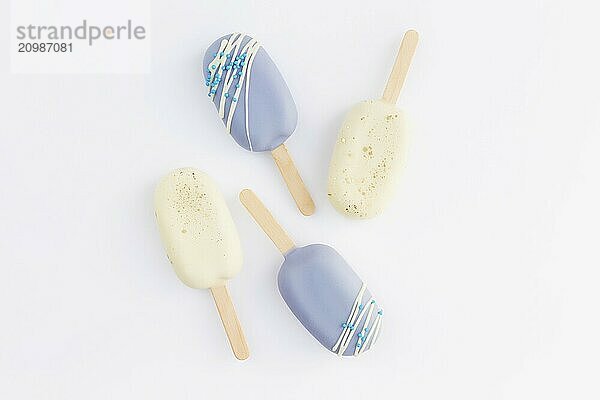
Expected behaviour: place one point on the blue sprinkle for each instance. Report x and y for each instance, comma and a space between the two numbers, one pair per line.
226, 94
351, 327
243, 63
228, 55
360, 335
358, 345
213, 91
366, 330
228, 67
207, 83
372, 301
344, 325
380, 312
221, 54
214, 54
360, 306
237, 85
213, 66
234, 99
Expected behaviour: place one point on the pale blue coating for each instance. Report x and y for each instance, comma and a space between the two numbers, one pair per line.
320, 288
272, 114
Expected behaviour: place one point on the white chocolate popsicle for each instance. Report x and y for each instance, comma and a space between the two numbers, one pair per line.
366, 159
201, 241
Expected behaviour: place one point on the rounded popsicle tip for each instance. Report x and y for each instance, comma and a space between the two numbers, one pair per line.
307, 208
412, 34
241, 354
245, 195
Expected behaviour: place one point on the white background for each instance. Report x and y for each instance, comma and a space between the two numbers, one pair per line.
487, 262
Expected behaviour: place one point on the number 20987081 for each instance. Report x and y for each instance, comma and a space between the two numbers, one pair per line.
45, 47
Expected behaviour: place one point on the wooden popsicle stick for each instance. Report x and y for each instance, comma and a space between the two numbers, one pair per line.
232, 326
400, 69
263, 217
293, 180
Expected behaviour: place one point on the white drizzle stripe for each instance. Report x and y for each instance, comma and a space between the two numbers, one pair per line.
232, 48
365, 343
365, 328
366, 337
346, 326
246, 96
355, 325
223, 69
374, 331
248, 49
376, 334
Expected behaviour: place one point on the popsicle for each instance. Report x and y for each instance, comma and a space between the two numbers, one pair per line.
321, 289
255, 104
201, 241
366, 158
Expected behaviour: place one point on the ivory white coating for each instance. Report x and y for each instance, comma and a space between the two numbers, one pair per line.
196, 228
366, 159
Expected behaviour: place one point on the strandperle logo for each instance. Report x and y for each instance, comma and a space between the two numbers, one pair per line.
84, 31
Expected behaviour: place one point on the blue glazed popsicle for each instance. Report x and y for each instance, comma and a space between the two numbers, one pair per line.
321, 289
255, 104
